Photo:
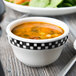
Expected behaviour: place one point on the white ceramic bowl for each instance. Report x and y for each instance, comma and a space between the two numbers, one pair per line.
37, 52
41, 11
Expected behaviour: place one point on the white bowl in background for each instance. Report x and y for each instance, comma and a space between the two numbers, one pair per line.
41, 11
37, 52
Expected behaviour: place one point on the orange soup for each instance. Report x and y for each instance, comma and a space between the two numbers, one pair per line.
37, 30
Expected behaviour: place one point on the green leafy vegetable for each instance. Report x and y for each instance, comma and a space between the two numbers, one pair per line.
70, 1
39, 3
55, 3
67, 3
7, 0
25, 3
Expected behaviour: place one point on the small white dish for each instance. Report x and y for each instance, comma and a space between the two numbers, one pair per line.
34, 52
41, 11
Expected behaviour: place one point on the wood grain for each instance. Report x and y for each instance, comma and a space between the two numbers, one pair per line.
13, 67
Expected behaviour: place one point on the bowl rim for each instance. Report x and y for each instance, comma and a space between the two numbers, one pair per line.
9, 33
39, 8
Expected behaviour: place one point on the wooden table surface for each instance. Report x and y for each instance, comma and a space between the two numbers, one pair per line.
13, 67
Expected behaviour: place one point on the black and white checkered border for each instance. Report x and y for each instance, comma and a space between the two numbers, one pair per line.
38, 46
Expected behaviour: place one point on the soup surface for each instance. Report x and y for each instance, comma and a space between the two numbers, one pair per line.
37, 30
